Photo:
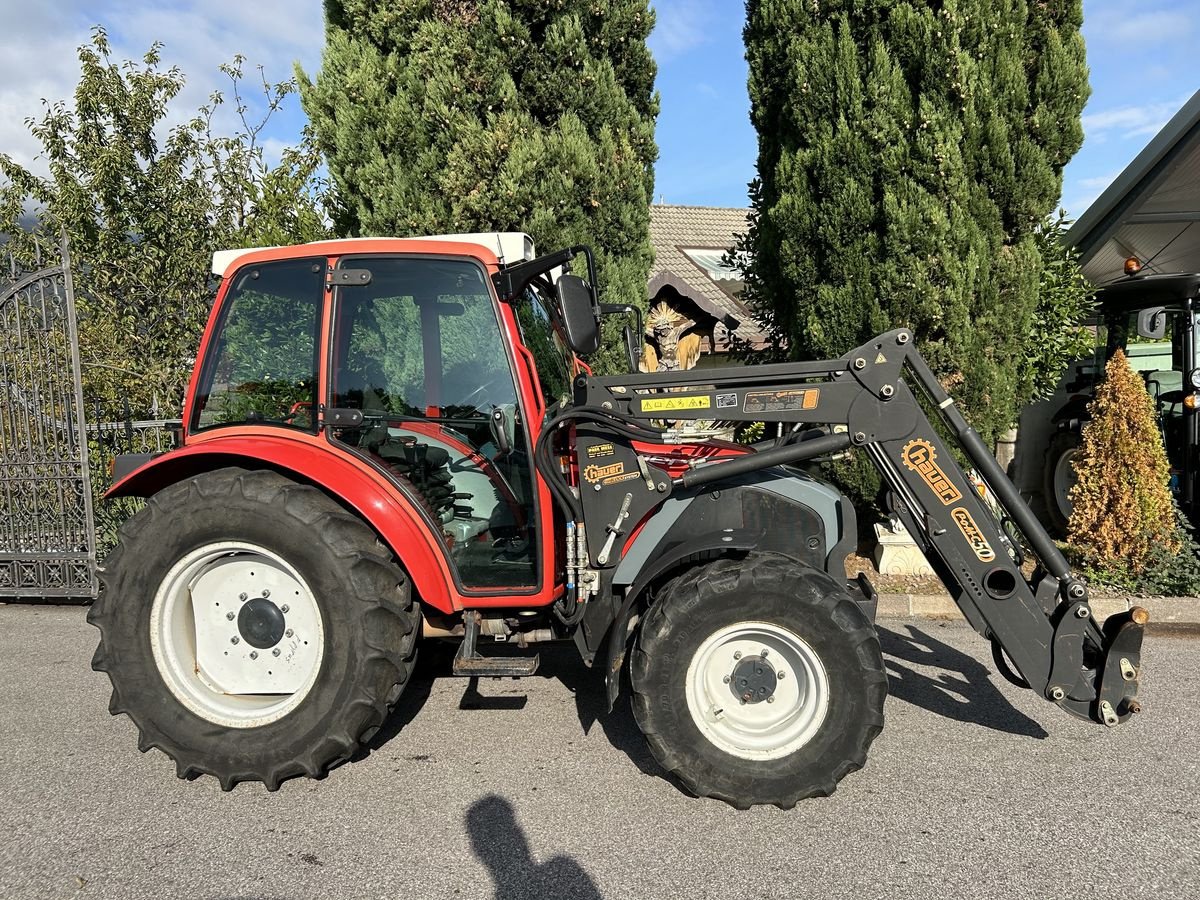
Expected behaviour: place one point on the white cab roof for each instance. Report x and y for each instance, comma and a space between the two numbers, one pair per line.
509, 246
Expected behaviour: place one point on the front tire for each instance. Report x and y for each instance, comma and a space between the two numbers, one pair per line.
252, 629
758, 681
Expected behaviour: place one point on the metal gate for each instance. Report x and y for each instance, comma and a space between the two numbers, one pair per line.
47, 535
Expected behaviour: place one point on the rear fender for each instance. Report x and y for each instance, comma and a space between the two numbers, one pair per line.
379, 503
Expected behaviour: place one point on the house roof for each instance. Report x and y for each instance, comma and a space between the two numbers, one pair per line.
1151, 210
675, 228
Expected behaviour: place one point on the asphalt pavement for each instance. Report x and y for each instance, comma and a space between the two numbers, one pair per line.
522, 789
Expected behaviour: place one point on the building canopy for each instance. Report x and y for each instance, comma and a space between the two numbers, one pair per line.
1151, 211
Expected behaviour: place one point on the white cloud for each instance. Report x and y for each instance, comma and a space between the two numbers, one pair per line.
1099, 182
1131, 121
1080, 193
680, 26
40, 44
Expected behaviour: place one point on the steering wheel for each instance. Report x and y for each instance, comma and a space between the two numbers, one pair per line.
476, 397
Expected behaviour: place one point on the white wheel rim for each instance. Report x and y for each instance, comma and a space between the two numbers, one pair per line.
224, 672
1065, 479
767, 728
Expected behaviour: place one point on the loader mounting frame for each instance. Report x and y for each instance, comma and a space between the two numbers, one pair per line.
1043, 622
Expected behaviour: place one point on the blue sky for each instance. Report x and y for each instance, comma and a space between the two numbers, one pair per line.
1139, 54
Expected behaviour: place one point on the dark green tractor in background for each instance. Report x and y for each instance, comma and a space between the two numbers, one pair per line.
1152, 319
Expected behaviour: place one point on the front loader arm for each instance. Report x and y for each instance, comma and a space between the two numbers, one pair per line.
1042, 622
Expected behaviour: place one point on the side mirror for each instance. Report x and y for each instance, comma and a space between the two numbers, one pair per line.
633, 349
631, 334
579, 320
1152, 323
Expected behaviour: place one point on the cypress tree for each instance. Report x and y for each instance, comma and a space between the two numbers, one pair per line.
1122, 506
907, 153
477, 115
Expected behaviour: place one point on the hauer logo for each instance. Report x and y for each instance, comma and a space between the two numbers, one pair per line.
920, 457
974, 536
595, 473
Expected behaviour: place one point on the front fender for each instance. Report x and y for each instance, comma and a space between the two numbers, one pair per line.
355, 485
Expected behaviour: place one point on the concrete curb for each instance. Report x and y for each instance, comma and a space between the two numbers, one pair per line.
1175, 610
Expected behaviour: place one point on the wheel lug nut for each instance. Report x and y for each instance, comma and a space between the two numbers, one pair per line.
266, 593
780, 674
763, 653
726, 679
283, 608
288, 633
243, 597
234, 639
254, 654
275, 652
771, 699
737, 654
229, 616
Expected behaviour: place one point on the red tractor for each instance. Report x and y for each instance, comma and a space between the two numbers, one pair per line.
386, 438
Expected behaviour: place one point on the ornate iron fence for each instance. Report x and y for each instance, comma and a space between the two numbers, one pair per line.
47, 533
110, 433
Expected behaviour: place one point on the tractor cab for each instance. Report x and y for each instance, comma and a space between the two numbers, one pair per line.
431, 365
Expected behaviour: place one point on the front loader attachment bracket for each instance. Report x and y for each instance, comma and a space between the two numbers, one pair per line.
1122, 666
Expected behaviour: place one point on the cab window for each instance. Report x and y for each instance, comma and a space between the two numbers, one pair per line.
261, 365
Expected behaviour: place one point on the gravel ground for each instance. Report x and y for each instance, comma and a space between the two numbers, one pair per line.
520, 789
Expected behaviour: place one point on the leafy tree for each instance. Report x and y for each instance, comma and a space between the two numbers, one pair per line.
908, 152
477, 115
144, 206
1124, 526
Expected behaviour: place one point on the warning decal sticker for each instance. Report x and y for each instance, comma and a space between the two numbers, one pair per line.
674, 404
778, 401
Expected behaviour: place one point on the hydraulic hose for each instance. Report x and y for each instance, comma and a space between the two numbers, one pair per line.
543, 454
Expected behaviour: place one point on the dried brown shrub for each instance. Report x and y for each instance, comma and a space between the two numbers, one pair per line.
1122, 505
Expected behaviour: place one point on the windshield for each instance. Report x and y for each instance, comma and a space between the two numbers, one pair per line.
1158, 360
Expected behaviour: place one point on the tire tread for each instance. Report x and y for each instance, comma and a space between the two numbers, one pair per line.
381, 598
756, 573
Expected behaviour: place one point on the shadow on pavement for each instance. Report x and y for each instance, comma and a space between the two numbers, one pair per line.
432, 662
591, 705
500, 844
971, 698
559, 661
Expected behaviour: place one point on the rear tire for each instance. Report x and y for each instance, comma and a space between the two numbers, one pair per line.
813, 711
1058, 477
188, 568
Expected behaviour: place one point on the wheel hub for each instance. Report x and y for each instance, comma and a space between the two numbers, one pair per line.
261, 623
753, 679
220, 638
748, 706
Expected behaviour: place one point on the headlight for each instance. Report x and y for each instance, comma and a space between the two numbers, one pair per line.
1195, 378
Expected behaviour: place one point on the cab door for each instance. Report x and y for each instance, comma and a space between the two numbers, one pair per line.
418, 348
